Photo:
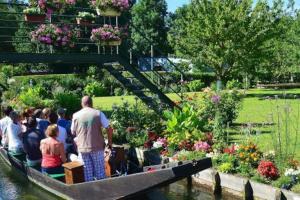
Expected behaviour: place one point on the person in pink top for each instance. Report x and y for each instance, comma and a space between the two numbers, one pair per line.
53, 152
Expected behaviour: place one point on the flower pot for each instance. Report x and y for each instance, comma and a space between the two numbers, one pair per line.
35, 18
115, 43
83, 22
207, 179
263, 191
233, 185
108, 12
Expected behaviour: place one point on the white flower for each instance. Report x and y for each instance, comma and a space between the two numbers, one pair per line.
158, 144
291, 172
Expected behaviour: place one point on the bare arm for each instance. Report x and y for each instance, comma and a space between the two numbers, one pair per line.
62, 153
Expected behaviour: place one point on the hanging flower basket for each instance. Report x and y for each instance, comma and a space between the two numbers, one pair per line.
34, 14
107, 36
115, 43
85, 18
83, 22
54, 35
35, 18
109, 8
55, 5
108, 12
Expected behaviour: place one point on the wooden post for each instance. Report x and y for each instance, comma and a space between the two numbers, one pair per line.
74, 172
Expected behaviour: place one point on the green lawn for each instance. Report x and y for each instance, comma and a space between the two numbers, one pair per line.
256, 109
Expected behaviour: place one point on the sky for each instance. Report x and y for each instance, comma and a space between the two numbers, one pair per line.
173, 4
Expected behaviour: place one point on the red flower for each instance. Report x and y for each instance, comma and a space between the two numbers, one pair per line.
268, 170
230, 150
152, 136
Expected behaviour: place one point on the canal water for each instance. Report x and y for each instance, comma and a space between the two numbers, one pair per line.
14, 186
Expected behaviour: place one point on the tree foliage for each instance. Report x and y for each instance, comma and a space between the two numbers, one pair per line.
232, 37
148, 26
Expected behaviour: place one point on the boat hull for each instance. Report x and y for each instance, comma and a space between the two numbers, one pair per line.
123, 187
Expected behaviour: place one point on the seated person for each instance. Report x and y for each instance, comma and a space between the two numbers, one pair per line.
42, 122
14, 133
31, 143
62, 136
53, 152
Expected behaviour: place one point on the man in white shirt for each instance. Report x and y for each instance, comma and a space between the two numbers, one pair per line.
4, 124
14, 134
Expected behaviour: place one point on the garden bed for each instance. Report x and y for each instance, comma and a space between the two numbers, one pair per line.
239, 187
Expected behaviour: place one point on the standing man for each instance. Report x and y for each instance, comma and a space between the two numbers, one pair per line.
86, 126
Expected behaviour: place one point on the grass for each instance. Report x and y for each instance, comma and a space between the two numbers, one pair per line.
256, 109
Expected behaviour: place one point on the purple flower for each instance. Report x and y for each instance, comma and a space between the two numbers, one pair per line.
216, 99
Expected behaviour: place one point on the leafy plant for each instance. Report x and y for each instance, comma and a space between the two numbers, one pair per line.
95, 89
183, 125
67, 100
296, 188
195, 86
233, 84
137, 138
33, 11
86, 16
31, 97
226, 167
189, 155
283, 182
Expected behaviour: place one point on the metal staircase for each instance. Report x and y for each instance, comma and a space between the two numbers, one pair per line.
138, 83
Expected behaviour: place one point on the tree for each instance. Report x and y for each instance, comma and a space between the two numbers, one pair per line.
148, 26
228, 36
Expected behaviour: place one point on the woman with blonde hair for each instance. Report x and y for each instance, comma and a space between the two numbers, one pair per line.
53, 152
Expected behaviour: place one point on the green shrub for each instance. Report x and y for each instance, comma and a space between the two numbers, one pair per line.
296, 188
195, 86
32, 97
118, 91
233, 84
69, 101
190, 155
226, 167
282, 181
137, 138
96, 89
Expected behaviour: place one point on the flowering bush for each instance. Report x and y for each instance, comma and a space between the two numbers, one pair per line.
231, 150
50, 34
249, 153
55, 4
119, 5
189, 155
268, 170
202, 146
106, 33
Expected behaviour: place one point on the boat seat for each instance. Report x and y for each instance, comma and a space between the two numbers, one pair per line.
18, 156
60, 177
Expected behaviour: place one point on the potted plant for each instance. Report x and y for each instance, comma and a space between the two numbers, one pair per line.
52, 5
34, 14
51, 34
110, 8
107, 35
85, 18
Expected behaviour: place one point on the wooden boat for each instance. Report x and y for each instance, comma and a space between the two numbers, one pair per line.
122, 187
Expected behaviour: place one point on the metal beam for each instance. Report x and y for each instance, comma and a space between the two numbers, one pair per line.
75, 58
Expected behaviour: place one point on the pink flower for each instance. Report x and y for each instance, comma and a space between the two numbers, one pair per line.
216, 99
202, 146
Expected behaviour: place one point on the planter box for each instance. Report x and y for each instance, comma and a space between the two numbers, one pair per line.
207, 179
233, 185
83, 22
288, 195
264, 192
108, 12
110, 43
35, 18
